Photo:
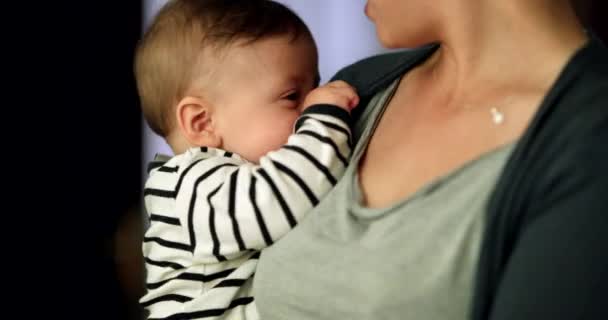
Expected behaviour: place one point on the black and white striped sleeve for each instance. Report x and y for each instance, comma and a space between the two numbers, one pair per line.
250, 206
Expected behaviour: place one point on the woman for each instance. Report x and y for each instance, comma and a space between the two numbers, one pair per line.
478, 187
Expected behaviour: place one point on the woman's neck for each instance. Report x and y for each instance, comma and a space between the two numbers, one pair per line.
501, 44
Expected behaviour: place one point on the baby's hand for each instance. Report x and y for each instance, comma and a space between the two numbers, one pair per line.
337, 93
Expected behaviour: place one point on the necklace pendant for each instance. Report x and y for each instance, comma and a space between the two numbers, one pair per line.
497, 117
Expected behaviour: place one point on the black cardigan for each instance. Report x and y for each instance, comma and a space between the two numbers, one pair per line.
545, 250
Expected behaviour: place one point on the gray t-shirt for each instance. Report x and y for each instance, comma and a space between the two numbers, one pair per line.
412, 260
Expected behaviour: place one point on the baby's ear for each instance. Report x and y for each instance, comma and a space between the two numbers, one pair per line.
195, 121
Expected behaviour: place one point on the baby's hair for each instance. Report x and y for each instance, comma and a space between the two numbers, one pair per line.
169, 57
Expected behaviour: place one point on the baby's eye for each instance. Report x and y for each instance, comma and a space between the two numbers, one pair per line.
293, 96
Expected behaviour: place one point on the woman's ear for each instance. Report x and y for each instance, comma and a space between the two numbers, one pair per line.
195, 120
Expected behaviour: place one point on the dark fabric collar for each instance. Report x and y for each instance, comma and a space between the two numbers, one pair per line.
373, 74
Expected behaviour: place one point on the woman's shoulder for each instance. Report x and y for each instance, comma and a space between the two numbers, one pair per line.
582, 109
567, 140
592, 65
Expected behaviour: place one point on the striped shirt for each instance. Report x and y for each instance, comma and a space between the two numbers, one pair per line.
211, 211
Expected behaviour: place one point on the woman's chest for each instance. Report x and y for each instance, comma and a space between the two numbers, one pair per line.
411, 147
415, 261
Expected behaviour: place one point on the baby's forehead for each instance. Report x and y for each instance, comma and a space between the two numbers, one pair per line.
269, 63
268, 53
277, 45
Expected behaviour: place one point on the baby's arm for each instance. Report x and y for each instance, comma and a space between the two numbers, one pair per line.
251, 206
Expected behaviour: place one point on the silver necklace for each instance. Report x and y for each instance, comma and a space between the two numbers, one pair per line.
497, 117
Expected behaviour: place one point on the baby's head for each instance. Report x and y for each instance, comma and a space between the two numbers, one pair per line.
227, 74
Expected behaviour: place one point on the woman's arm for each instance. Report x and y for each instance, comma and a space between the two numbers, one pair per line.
558, 268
